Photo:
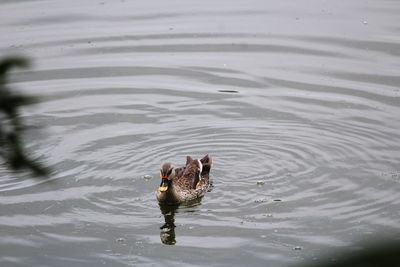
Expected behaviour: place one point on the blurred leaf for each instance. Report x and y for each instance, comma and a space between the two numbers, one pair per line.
11, 127
374, 254
10, 62
9, 103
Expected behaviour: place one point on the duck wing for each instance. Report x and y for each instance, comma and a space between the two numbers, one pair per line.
206, 161
187, 177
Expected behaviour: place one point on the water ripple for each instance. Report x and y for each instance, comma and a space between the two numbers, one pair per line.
301, 119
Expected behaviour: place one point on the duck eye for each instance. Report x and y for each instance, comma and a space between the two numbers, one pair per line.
169, 172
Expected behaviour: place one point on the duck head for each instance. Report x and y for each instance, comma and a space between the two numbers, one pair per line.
167, 173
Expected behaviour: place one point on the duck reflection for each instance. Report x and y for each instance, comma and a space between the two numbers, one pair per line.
167, 233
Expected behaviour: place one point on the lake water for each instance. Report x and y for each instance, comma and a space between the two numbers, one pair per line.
296, 101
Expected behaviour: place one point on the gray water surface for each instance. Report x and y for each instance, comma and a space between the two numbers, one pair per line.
296, 101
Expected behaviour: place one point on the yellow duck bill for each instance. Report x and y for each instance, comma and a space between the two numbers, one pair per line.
163, 186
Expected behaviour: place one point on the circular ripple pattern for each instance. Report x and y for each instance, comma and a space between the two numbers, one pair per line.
302, 123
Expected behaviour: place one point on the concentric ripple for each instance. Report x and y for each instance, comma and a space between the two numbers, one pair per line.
297, 104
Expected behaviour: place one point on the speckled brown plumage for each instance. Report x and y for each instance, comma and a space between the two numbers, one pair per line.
185, 184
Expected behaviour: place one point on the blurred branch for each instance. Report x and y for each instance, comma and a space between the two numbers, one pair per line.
11, 127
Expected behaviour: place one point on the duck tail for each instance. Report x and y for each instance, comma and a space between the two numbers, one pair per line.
207, 164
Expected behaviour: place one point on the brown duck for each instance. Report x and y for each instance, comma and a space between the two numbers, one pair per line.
185, 184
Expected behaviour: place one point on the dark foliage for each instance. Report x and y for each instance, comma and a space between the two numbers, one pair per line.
376, 253
11, 127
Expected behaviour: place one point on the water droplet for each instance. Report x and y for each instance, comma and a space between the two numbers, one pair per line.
263, 236
261, 200
297, 248
229, 91
259, 183
365, 22
147, 177
269, 215
191, 227
120, 240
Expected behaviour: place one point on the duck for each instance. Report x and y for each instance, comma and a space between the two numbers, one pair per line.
184, 184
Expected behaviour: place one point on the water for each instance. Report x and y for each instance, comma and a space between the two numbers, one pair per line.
298, 104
